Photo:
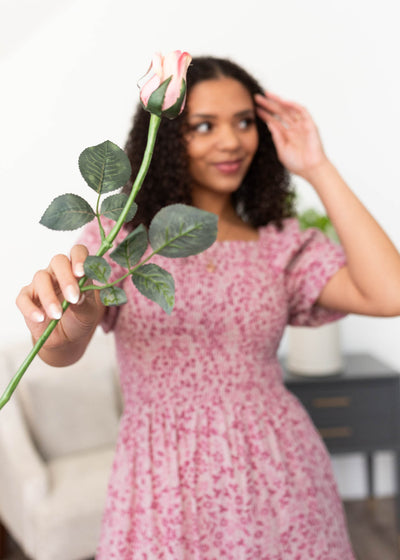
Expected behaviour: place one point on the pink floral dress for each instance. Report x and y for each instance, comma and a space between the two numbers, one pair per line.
215, 459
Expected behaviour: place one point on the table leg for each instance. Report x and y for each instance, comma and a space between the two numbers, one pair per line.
370, 480
398, 495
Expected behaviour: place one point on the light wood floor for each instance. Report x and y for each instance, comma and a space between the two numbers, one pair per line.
372, 531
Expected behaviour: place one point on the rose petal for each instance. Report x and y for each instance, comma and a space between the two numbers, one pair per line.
175, 64
148, 88
157, 64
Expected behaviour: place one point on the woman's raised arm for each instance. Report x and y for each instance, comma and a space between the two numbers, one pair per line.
370, 283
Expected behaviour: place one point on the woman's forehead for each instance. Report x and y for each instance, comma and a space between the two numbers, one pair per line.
222, 94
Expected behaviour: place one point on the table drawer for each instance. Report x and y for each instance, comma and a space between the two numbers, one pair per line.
353, 414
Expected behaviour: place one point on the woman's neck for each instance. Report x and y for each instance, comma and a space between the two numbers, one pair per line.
231, 227
217, 203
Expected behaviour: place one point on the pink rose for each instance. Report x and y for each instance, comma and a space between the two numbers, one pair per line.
164, 90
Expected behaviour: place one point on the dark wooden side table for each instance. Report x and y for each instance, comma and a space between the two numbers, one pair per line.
356, 410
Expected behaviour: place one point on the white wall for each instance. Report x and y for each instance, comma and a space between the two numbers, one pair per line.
68, 80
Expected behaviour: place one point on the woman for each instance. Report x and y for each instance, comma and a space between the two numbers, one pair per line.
215, 459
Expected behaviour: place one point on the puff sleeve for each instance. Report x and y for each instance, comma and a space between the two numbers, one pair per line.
309, 259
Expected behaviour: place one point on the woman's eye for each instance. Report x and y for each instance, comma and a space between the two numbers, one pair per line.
246, 123
202, 127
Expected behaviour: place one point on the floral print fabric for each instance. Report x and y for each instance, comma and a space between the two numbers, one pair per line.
215, 458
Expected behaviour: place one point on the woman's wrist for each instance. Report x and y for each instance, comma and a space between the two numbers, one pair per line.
68, 352
315, 171
318, 173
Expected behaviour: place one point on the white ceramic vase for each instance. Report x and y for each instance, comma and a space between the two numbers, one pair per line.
314, 350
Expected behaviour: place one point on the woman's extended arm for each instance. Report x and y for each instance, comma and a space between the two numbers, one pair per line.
40, 302
370, 283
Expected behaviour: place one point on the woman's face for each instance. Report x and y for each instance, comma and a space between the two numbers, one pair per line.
222, 134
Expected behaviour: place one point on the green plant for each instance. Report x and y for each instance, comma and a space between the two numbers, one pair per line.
312, 218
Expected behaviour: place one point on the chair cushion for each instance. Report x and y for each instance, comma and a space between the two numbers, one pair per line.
74, 506
73, 408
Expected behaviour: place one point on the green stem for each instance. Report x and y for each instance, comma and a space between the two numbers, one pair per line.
151, 139
105, 246
34, 351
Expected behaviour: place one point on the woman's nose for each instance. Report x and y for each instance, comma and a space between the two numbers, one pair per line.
228, 138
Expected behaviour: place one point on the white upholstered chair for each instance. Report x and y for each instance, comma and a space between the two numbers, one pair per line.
57, 439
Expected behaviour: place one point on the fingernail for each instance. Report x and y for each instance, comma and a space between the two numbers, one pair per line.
55, 311
37, 317
71, 294
79, 270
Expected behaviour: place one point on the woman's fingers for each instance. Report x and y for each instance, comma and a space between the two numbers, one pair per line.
271, 106
51, 286
66, 272
279, 103
39, 299
78, 257
27, 306
46, 293
293, 131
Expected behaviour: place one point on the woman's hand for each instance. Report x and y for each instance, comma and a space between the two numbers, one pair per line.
294, 133
40, 302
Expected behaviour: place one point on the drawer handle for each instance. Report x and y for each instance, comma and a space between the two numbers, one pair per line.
331, 402
339, 432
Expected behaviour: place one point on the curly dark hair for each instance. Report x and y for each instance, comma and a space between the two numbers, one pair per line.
265, 194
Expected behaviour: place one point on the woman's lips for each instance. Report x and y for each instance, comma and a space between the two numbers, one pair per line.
229, 167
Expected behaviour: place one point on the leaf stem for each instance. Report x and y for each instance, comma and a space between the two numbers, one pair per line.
168, 243
102, 232
118, 280
105, 246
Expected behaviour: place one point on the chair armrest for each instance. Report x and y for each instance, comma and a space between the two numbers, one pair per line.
24, 478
